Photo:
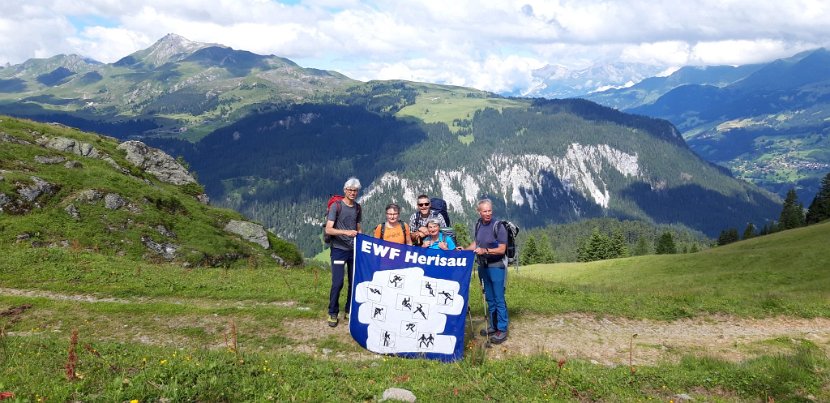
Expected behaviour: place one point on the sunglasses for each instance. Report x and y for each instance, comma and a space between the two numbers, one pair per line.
423, 204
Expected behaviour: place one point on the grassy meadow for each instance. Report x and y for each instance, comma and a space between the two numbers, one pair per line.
448, 105
156, 331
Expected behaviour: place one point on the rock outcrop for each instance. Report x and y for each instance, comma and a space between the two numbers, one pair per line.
39, 187
156, 162
69, 145
249, 231
165, 250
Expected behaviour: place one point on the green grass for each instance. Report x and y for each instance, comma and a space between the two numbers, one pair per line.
161, 331
780, 274
446, 105
34, 369
198, 228
187, 331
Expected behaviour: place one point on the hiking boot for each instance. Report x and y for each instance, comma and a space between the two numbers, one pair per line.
498, 337
333, 320
489, 332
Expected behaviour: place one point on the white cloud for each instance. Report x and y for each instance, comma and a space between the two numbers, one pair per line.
487, 44
107, 44
737, 52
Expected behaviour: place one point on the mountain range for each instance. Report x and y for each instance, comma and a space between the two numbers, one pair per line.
768, 123
273, 140
556, 81
175, 88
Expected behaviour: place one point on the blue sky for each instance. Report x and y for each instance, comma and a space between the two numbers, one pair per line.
490, 45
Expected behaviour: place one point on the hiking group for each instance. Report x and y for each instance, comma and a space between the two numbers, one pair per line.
428, 227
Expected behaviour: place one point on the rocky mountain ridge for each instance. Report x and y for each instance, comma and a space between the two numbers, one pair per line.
174, 88
271, 139
766, 123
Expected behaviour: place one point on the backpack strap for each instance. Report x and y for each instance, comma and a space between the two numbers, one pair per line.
403, 228
337, 209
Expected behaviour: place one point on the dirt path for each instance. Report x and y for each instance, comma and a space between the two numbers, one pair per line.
608, 340
602, 340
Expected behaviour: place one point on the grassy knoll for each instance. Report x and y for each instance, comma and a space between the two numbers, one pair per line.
148, 203
159, 331
780, 274
441, 104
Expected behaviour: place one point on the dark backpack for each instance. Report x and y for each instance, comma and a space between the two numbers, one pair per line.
336, 200
438, 205
512, 231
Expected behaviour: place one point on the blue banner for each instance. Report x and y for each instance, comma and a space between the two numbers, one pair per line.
410, 301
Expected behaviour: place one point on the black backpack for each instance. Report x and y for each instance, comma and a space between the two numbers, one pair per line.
438, 205
512, 232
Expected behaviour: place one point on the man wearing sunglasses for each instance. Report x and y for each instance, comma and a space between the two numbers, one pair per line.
418, 221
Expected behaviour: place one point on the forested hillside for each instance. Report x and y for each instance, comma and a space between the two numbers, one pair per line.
638, 237
273, 140
542, 162
767, 123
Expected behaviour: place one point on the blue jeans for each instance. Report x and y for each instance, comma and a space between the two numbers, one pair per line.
340, 258
493, 279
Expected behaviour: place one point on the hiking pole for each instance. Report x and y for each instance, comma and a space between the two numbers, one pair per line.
470, 312
486, 314
482, 262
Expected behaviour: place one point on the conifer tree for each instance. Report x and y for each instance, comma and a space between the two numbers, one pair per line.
545, 250
462, 235
792, 213
618, 244
749, 231
596, 247
819, 209
665, 245
728, 236
733, 235
642, 247
529, 254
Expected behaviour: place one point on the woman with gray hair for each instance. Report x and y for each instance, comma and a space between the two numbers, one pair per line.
435, 238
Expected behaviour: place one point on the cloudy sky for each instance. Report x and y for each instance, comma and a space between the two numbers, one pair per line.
490, 45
